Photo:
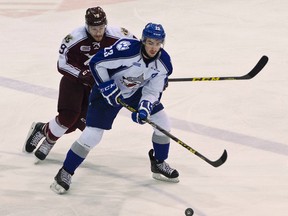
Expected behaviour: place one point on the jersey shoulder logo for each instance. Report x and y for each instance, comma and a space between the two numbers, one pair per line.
123, 45
124, 31
68, 38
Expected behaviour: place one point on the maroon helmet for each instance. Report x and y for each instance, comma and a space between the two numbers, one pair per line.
95, 16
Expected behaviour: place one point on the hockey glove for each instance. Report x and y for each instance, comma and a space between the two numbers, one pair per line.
86, 78
110, 92
144, 111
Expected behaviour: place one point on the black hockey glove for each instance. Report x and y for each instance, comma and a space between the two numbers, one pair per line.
86, 78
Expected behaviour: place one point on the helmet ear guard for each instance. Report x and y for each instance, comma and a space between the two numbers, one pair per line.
95, 16
154, 31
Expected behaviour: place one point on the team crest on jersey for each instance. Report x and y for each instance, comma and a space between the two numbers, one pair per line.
85, 48
96, 45
133, 82
123, 45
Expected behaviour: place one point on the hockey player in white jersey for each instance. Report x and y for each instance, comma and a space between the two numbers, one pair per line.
136, 72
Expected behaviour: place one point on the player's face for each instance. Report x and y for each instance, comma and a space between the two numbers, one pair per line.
152, 46
97, 32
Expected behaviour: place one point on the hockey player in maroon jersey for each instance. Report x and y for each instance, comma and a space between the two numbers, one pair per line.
74, 54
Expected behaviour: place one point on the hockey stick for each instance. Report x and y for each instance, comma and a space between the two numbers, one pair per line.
216, 163
257, 68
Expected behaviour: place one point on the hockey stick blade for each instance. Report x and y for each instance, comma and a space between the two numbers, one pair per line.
216, 163
257, 68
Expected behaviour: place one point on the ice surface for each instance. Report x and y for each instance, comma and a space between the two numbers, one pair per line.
204, 38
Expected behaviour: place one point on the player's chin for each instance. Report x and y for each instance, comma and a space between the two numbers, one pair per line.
151, 55
98, 38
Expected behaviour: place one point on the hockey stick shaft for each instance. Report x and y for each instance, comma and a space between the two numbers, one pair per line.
257, 68
216, 163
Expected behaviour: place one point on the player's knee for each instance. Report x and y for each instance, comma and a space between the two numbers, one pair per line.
90, 137
161, 119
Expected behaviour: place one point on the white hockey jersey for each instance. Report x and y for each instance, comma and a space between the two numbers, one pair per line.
123, 62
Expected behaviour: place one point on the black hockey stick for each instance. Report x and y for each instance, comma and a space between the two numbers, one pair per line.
257, 68
216, 163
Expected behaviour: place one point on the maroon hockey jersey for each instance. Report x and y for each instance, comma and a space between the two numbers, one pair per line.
78, 47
